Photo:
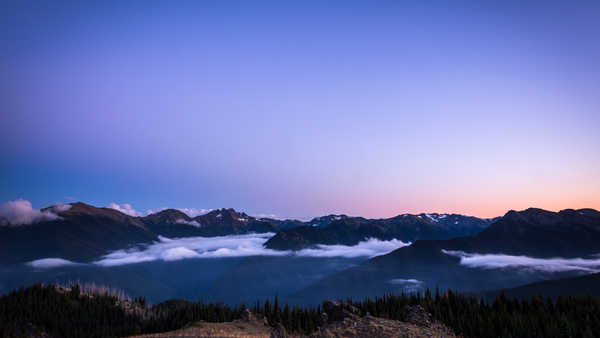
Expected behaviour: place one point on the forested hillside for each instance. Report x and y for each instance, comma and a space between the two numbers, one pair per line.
61, 312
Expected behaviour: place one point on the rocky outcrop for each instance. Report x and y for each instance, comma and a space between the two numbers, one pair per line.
249, 325
278, 331
248, 316
344, 320
335, 311
417, 315
338, 319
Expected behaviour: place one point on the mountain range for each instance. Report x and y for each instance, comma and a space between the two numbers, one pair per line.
587, 285
81, 232
447, 251
341, 229
521, 247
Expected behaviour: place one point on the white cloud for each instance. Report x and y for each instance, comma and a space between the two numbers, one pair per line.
500, 261
193, 212
178, 253
125, 208
202, 247
401, 281
154, 211
47, 263
192, 223
167, 249
60, 207
20, 212
407, 285
369, 248
272, 216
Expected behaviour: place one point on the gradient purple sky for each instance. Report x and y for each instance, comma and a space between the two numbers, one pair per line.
299, 109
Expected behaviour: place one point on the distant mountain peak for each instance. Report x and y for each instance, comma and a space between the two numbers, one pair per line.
328, 219
226, 215
534, 216
167, 216
434, 217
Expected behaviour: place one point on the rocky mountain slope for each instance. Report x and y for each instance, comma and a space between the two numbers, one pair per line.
588, 285
341, 229
174, 223
81, 233
533, 233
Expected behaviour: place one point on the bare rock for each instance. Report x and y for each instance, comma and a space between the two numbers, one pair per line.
248, 316
343, 320
417, 315
279, 331
338, 311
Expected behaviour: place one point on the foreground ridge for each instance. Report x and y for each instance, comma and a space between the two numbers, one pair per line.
338, 319
49, 311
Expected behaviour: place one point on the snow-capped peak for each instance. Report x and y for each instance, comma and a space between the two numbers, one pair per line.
434, 219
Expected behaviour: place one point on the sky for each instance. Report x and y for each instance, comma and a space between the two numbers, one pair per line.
300, 109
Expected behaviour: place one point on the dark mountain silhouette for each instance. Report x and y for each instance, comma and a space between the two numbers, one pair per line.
541, 233
228, 221
283, 224
221, 222
341, 229
167, 216
82, 233
324, 221
171, 223
588, 285
532, 232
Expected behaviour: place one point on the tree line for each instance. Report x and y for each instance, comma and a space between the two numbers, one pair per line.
73, 313
471, 316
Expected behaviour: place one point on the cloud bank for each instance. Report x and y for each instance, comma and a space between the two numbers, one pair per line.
60, 207
21, 212
192, 223
47, 263
407, 285
237, 246
500, 261
125, 208
193, 247
369, 248
401, 281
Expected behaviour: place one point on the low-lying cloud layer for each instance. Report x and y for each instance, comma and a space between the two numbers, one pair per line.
500, 261
21, 212
407, 285
238, 246
47, 263
369, 248
192, 223
401, 281
193, 247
